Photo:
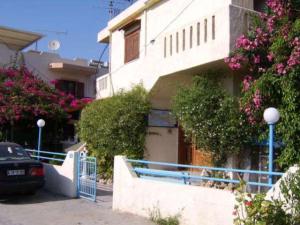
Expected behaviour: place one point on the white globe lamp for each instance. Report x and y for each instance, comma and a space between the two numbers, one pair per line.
271, 115
41, 123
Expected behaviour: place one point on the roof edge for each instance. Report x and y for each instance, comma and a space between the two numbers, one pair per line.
124, 18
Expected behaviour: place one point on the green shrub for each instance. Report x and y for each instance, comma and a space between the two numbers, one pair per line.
256, 209
210, 116
115, 126
155, 216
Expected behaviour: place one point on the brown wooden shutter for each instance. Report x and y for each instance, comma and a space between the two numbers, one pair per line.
132, 42
80, 90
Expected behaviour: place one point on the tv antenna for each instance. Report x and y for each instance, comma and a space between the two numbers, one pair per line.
54, 45
115, 7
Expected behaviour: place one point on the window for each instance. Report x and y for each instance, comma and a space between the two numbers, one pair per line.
132, 41
171, 43
198, 33
191, 36
177, 42
205, 30
183, 39
259, 5
102, 84
246, 23
213, 27
71, 87
165, 47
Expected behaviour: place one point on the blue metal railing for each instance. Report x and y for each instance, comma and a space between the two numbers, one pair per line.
34, 154
87, 177
187, 177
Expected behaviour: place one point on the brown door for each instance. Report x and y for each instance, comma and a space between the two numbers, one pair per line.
184, 148
200, 157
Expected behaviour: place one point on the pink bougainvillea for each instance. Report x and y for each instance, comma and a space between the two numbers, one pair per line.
272, 47
24, 96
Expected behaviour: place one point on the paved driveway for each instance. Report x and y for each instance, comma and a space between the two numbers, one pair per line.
45, 208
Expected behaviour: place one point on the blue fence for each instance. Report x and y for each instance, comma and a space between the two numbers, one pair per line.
87, 177
188, 177
45, 155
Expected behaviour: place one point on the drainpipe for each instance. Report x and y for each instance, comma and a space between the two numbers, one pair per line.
145, 27
109, 64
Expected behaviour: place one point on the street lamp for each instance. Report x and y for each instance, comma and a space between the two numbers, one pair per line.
40, 123
271, 116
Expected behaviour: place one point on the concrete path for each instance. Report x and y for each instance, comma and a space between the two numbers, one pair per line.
45, 208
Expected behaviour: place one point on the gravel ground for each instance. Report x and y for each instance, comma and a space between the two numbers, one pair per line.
46, 208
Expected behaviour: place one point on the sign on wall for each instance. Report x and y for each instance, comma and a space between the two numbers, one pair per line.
161, 118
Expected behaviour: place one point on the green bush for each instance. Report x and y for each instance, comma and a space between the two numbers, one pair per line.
156, 217
210, 116
115, 126
256, 209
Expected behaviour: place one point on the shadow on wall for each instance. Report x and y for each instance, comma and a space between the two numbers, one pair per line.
63, 179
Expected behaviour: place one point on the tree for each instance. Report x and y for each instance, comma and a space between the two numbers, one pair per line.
210, 116
24, 98
115, 125
270, 53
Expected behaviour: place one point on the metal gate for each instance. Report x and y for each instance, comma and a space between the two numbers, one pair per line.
87, 177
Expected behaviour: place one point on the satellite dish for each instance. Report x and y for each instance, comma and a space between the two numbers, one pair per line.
54, 45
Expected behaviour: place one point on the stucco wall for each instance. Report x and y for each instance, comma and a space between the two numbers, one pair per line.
39, 62
152, 64
243, 3
6, 55
162, 144
63, 179
196, 205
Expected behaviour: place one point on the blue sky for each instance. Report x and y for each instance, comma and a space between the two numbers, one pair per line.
81, 19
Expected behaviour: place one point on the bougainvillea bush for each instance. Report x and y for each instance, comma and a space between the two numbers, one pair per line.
270, 53
24, 98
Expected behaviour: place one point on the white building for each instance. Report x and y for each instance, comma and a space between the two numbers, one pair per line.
164, 43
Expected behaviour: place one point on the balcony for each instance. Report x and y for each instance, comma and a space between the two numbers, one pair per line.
209, 39
185, 50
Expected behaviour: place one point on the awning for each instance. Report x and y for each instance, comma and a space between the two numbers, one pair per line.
72, 68
17, 39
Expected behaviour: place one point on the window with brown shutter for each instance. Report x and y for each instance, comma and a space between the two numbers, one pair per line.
132, 41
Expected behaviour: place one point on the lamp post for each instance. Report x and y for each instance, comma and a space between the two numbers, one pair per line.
40, 123
271, 116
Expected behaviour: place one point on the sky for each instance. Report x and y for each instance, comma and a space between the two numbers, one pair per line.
74, 23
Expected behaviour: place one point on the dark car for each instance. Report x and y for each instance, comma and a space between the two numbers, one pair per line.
18, 172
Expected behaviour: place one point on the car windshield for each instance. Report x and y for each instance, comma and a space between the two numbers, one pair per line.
12, 153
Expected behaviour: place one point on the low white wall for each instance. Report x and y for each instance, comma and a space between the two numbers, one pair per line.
275, 192
63, 179
196, 205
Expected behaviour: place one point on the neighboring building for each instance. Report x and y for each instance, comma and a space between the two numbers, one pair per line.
76, 77
164, 43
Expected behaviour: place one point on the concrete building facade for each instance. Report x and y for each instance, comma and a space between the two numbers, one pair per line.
165, 43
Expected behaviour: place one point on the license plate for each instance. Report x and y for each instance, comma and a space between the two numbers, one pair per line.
15, 172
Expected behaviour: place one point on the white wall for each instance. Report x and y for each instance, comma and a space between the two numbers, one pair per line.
63, 179
152, 64
196, 205
39, 62
6, 55
244, 3
162, 144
